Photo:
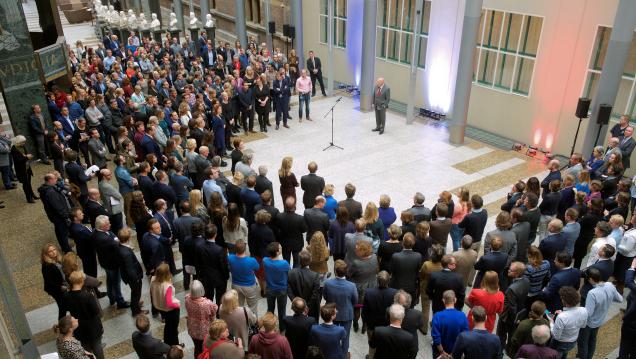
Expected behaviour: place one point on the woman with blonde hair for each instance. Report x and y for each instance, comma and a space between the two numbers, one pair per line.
363, 273
390, 247
386, 214
430, 266
201, 313
489, 297
71, 262
331, 204
233, 189
163, 296
459, 212
54, 279
319, 253
190, 158
238, 318
583, 184
84, 306
375, 227
288, 182
197, 209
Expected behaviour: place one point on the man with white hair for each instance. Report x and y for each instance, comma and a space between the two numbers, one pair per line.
107, 248
538, 350
392, 341
627, 145
263, 183
381, 99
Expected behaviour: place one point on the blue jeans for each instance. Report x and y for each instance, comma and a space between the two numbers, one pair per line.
113, 286
586, 343
303, 98
562, 348
6, 176
456, 234
277, 298
345, 342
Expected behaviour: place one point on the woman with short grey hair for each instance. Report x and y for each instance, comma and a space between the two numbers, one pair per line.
22, 163
201, 313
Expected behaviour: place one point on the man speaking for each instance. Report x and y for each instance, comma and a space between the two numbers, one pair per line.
381, 98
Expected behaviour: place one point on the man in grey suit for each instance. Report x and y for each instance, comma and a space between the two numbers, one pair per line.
521, 230
627, 146
381, 99
112, 201
97, 149
507, 236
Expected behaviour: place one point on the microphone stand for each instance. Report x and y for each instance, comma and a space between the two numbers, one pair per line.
331, 110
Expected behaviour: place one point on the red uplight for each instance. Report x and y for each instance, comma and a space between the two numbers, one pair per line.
537, 136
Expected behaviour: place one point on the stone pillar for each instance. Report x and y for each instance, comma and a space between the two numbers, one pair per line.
367, 76
239, 21
611, 75
137, 7
145, 8
415, 51
461, 96
268, 18
330, 12
297, 21
205, 9
19, 74
178, 10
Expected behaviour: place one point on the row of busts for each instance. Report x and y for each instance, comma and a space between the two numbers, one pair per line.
111, 16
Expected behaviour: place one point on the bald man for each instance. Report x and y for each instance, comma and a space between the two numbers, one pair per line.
93, 208
381, 99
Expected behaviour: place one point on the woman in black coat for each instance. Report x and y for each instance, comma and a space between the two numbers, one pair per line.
83, 305
261, 95
22, 166
54, 281
57, 152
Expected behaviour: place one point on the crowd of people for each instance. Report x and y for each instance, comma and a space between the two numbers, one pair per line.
168, 119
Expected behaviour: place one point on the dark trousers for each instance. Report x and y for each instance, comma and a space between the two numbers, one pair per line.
135, 296
277, 298
303, 98
61, 233
28, 190
586, 343
288, 254
262, 120
337, 256
627, 349
282, 109
169, 256
380, 119
58, 165
116, 222
6, 176
40, 145
113, 286
61, 305
504, 332
171, 328
108, 138
247, 119
94, 346
318, 77
347, 326
214, 292
198, 347
89, 260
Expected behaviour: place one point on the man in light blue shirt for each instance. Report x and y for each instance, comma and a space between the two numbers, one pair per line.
210, 185
597, 304
109, 60
572, 229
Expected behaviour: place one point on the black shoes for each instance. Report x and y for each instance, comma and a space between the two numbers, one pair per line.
375, 129
355, 327
381, 131
123, 305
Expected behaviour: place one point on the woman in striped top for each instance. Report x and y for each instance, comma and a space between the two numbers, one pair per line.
537, 271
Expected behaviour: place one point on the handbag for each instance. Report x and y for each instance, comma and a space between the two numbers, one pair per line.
252, 329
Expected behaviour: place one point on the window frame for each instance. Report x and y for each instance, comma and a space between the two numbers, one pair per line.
324, 17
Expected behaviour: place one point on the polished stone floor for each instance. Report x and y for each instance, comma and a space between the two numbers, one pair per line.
402, 161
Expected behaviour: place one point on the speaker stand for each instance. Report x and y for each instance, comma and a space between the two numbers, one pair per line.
578, 127
598, 134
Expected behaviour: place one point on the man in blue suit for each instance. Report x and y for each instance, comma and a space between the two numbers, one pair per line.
554, 243
68, 125
495, 260
149, 145
250, 199
327, 336
344, 294
160, 190
565, 276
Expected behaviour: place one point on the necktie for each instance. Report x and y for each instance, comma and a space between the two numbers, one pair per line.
377, 93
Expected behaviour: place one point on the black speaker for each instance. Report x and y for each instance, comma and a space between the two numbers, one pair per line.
583, 107
292, 32
272, 27
286, 30
604, 113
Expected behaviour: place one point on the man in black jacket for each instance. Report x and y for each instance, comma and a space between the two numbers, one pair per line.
145, 345
263, 183
291, 227
495, 260
211, 265
246, 106
532, 215
314, 66
57, 206
316, 219
76, 175
151, 247
405, 267
93, 208
297, 327
376, 302
131, 272
305, 283
39, 129
393, 341
312, 184
475, 222
354, 208
182, 229
107, 246
445, 280
161, 190
514, 301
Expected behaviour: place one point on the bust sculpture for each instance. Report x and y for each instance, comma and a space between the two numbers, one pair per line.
155, 25
173, 21
114, 16
132, 20
208, 20
193, 21
97, 5
123, 21
143, 23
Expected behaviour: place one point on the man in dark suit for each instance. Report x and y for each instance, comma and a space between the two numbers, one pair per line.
344, 294
627, 145
413, 318
605, 266
209, 56
263, 183
131, 271
328, 336
291, 227
532, 215
513, 196
106, 246
250, 199
381, 100
211, 265
145, 345
282, 92
354, 208
83, 243
76, 175
93, 208
376, 302
316, 219
39, 129
161, 190
475, 222
312, 184
149, 145
521, 230
165, 218
444, 280
314, 66
554, 243
478, 343
182, 229
495, 260
304, 283
405, 267
441, 226
145, 182
297, 327
392, 341
514, 301
565, 276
